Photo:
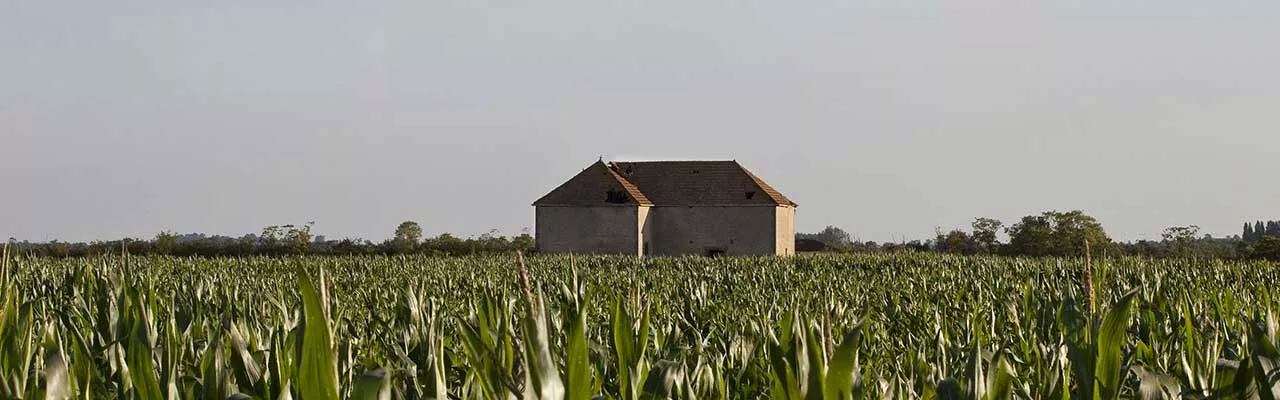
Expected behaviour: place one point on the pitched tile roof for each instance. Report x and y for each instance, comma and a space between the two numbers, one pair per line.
593, 186
668, 183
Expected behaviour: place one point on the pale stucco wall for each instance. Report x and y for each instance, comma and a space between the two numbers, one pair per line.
602, 229
645, 234
742, 230
785, 218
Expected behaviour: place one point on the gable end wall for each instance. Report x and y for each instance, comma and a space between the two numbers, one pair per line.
588, 230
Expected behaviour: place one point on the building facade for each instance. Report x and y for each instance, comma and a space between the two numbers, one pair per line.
665, 208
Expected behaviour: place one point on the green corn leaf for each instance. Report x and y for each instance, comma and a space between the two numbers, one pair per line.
57, 383
817, 352
248, 373
624, 350
787, 357
1112, 336
316, 372
1189, 340
975, 373
139, 356
843, 375
215, 384
1000, 379
372, 385
437, 372
542, 379
579, 382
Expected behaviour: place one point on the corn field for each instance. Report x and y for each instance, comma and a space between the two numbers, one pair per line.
810, 327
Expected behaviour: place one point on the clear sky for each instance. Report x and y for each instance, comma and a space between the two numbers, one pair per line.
888, 118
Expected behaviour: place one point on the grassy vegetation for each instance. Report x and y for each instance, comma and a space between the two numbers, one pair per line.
813, 327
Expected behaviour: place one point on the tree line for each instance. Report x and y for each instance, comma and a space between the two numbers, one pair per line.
1255, 232
1059, 233
279, 240
1051, 233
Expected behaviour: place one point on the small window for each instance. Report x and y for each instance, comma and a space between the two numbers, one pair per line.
751, 194
714, 252
616, 197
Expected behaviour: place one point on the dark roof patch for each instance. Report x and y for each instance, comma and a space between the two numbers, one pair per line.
668, 183
592, 187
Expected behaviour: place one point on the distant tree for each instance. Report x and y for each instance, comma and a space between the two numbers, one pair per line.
447, 244
916, 245
1268, 247
271, 237
1182, 239
492, 242
1181, 233
298, 238
1248, 233
347, 246
985, 232
867, 246
524, 242
275, 240
1033, 236
280, 239
955, 242
165, 242
1055, 233
244, 245
407, 237
1259, 230
834, 237
1273, 228
59, 249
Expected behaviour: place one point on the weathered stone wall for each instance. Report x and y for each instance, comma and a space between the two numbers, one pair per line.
675, 230
736, 230
602, 229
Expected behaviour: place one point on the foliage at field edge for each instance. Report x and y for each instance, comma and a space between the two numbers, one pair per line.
821, 327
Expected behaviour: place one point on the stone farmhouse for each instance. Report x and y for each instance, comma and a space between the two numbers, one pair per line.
707, 208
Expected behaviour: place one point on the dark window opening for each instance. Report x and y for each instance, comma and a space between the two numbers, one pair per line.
695, 171
628, 170
714, 252
751, 194
616, 197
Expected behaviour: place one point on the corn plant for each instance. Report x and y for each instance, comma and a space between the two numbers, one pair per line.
864, 326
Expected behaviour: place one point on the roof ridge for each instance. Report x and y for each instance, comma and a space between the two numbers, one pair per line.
667, 183
670, 161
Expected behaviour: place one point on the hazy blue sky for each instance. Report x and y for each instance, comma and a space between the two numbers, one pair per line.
887, 118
